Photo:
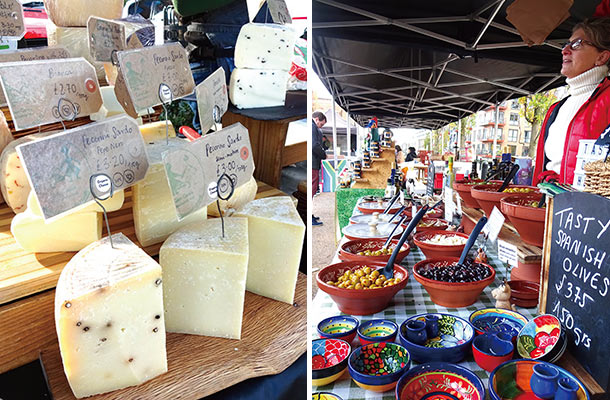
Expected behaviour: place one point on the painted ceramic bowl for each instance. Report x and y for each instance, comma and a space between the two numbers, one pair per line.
440, 381
490, 350
325, 396
340, 327
525, 216
377, 330
350, 249
557, 351
359, 302
451, 345
430, 243
449, 294
539, 336
511, 381
494, 320
329, 358
377, 366
488, 196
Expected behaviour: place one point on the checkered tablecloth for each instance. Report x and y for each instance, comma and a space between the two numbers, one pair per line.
412, 300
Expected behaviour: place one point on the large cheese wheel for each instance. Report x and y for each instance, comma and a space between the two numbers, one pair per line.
77, 12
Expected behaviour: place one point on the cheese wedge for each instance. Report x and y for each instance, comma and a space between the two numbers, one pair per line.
204, 278
109, 317
253, 88
113, 203
265, 46
275, 236
155, 131
243, 195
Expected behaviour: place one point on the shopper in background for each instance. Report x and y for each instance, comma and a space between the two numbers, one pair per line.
412, 155
585, 113
400, 156
319, 154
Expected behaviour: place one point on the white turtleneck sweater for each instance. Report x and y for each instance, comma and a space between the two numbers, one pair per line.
580, 89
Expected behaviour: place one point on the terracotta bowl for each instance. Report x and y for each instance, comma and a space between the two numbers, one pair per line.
373, 206
526, 271
463, 188
349, 250
329, 358
432, 250
524, 293
359, 302
450, 381
453, 295
468, 224
528, 221
377, 330
511, 380
378, 366
342, 327
487, 195
439, 225
495, 320
438, 212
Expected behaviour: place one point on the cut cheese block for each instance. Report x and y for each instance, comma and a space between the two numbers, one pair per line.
109, 317
275, 232
113, 203
76, 12
68, 233
14, 183
111, 106
204, 278
76, 41
5, 138
154, 213
155, 131
253, 88
243, 195
111, 72
265, 46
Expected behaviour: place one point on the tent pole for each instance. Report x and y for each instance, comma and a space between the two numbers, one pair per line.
493, 152
459, 133
335, 155
349, 136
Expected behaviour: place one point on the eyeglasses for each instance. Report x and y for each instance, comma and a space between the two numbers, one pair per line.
576, 44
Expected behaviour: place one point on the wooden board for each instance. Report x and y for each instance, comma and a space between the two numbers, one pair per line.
294, 153
274, 335
23, 273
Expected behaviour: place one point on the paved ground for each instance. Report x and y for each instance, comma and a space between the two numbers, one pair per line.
323, 237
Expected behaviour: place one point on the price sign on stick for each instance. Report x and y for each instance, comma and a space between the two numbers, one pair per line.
11, 19
212, 99
59, 166
195, 169
279, 12
494, 224
107, 36
508, 253
101, 188
45, 91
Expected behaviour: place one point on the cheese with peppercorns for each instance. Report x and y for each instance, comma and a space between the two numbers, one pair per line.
109, 317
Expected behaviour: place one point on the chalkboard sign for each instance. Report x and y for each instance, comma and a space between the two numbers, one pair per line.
579, 278
430, 182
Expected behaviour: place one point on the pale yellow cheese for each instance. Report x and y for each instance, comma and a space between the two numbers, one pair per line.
243, 195
75, 40
68, 233
275, 232
109, 317
156, 131
5, 138
204, 278
111, 106
76, 12
154, 213
113, 203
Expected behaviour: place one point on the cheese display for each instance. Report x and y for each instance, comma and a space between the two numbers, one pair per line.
154, 213
111, 72
204, 278
111, 106
242, 195
76, 40
109, 317
265, 46
76, 12
68, 233
252, 88
156, 131
113, 203
275, 232
5, 138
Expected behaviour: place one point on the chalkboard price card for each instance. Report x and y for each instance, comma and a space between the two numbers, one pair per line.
430, 182
579, 278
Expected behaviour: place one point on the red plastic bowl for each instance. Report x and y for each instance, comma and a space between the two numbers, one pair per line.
440, 225
528, 221
487, 195
359, 302
349, 250
452, 295
463, 188
436, 250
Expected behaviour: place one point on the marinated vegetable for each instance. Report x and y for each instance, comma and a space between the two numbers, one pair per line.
363, 278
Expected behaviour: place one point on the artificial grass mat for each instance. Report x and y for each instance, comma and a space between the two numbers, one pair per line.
345, 201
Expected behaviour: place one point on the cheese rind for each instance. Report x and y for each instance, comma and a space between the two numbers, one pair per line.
275, 233
204, 278
252, 88
76, 12
243, 195
109, 317
5, 138
265, 46
155, 131
113, 203
154, 213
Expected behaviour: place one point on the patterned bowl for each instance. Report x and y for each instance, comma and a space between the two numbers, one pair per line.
452, 344
378, 366
440, 381
377, 330
340, 327
329, 359
325, 396
490, 350
511, 381
539, 336
494, 320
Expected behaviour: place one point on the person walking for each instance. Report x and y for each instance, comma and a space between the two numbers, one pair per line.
319, 154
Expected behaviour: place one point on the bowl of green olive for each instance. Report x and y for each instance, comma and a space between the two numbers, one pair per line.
371, 250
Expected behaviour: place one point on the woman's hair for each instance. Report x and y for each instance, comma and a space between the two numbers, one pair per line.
597, 30
397, 147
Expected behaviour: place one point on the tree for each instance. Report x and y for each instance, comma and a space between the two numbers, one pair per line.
534, 108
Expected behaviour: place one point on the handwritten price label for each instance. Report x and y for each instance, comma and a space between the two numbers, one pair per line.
212, 99
59, 166
11, 19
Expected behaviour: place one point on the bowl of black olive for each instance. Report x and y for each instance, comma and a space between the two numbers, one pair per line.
451, 284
